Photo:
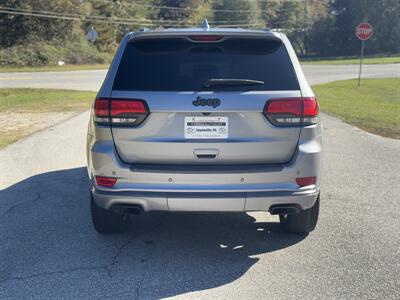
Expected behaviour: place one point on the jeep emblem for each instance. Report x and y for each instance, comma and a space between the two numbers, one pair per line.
214, 102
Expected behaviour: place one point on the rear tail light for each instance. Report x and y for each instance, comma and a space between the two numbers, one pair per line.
102, 110
292, 111
120, 111
305, 181
106, 181
128, 112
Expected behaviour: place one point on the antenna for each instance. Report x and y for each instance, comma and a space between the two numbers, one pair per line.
205, 25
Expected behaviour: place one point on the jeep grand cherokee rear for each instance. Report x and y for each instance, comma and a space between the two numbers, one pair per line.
205, 120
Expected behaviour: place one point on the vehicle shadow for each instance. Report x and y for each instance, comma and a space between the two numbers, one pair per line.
46, 232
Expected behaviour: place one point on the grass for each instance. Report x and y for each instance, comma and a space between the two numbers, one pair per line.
373, 107
44, 100
51, 68
308, 61
25, 111
351, 60
11, 136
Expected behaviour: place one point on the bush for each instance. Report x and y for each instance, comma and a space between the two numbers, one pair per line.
45, 53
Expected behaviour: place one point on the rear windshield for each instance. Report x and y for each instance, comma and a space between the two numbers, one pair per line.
177, 64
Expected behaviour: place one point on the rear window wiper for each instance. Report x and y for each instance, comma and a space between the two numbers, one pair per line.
221, 82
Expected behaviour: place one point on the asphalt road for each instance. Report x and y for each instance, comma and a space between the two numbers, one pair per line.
48, 248
91, 80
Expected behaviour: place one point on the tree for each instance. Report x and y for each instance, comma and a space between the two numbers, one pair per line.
319, 27
244, 12
190, 12
290, 19
269, 12
382, 15
107, 32
22, 29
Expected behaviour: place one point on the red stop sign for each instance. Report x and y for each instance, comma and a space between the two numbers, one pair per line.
364, 31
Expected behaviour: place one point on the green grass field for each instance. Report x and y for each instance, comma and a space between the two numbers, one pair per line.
307, 61
351, 60
44, 100
53, 68
374, 106
25, 111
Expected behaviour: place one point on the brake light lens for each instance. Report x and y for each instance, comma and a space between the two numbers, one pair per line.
305, 181
310, 107
120, 111
206, 38
101, 110
292, 111
128, 112
106, 181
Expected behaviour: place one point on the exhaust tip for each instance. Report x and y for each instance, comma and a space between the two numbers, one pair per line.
131, 209
284, 209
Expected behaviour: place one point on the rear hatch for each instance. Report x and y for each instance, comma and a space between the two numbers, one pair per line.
200, 99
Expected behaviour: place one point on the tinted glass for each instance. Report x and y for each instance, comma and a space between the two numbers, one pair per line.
180, 65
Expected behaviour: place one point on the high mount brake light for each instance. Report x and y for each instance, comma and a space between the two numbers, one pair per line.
292, 111
120, 111
206, 38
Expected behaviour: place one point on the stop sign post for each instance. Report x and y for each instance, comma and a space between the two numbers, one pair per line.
364, 31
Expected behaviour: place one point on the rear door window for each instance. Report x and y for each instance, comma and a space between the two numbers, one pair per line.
177, 64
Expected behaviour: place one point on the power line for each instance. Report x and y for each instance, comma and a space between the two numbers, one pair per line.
49, 12
75, 16
38, 15
82, 18
70, 18
192, 9
130, 21
173, 7
101, 17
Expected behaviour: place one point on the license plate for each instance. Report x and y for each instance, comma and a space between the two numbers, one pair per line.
206, 127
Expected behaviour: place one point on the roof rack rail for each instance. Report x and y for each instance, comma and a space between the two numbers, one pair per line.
144, 29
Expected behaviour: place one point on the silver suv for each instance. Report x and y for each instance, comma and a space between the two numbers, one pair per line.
205, 119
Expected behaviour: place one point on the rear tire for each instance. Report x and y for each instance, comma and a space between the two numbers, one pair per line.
302, 222
106, 221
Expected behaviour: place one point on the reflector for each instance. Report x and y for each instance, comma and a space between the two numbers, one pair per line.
105, 181
305, 181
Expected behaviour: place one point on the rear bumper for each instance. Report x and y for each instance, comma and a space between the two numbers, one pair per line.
246, 188
219, 201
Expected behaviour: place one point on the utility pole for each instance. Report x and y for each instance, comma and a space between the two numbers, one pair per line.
305, 27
